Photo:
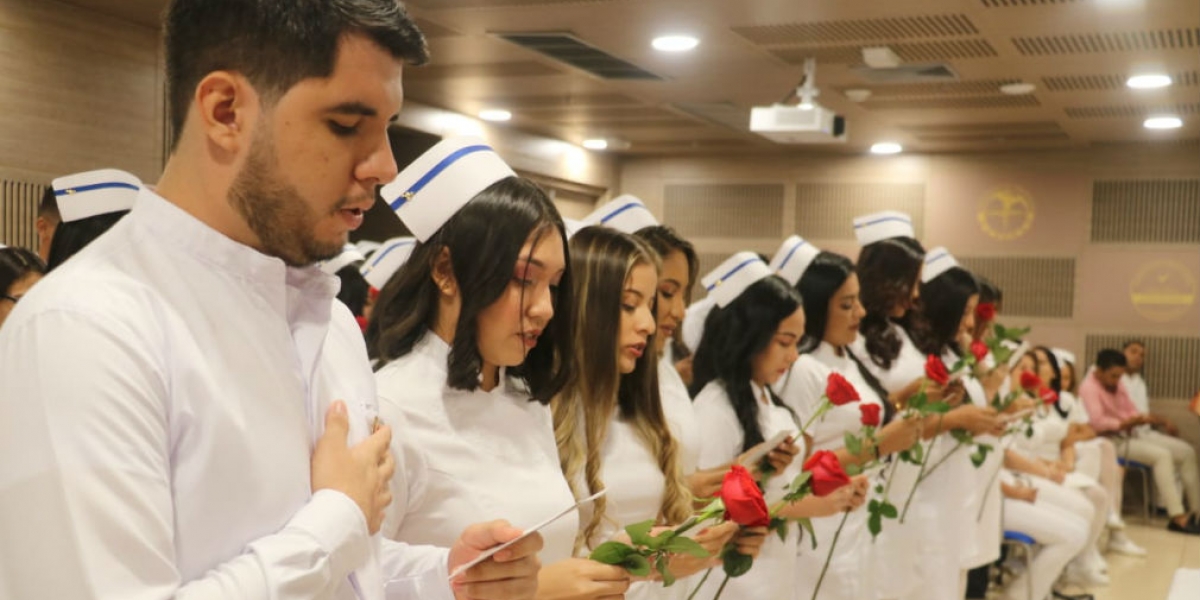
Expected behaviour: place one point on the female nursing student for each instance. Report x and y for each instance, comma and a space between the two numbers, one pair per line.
750, 341
609, 422
469, 355
832, 311
944, 328
19, 270
927, 546
90, 204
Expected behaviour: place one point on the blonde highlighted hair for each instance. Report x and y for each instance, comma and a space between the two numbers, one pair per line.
601, 262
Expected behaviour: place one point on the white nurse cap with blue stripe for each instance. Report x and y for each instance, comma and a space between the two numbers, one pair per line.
387, 260
625, 213
94, 193
793, 258
349, 255
882, 226
937, 261
440, 182
738, 272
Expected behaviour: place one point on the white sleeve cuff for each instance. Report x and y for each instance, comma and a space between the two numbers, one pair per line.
338, 525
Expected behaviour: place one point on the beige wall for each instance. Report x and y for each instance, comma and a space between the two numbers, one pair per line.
1059, 184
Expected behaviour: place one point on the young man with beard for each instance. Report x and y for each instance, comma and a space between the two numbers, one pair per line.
188, 412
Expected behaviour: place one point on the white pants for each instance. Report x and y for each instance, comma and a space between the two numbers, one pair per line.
1167, 456
1060, 534
1088, 503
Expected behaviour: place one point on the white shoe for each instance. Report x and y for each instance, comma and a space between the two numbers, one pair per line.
1114, 522
1123, 545
1087, 578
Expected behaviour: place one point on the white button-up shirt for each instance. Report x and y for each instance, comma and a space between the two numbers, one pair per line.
160, 396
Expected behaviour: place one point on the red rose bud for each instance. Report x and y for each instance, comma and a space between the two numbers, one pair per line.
362, 323
870, 414
373, 293
1030, 382
744, 503
979, 350
827, 472
1048, 395
839, 391
986, 311
936, 371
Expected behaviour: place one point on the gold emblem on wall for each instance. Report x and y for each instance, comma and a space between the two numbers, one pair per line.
1163, 290
1006, 213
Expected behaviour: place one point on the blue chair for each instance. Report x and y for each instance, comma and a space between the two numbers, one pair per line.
1146, 473
1016, 540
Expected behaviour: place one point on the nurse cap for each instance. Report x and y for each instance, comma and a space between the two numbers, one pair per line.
387, 260
793, 258
349, 255
1063, 356
625, 213
573, 226
367, 247
440, 182
937, 261
738, 272
94, 193
879, 226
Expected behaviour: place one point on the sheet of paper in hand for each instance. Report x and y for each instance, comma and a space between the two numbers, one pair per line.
528, 532
755, 454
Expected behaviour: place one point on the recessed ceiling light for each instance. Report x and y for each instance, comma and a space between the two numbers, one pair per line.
495, 114
675, 43
886, 148
1017, 89
595, 144
1163, 122
1148, 81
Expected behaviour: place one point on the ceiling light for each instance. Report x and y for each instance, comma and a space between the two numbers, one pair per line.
1017, 89
1148, 81
675, 43
495, 114
886, 148
595, 144
1163, 122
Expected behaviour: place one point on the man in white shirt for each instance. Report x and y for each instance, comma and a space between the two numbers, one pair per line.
1135, 359
187, 411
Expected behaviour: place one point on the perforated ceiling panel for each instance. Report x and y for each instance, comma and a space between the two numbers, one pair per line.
1033, 287
1117, 41
886, 30
1170, 369
1019, 3
915, 52
968, 102
826, 211
725, 210
1110, 81
924, 90
1163, 211
1120, 111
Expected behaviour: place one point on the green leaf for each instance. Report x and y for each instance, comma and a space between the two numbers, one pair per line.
808, 526
917, 401
853, 444
879, 489
874, 524
853, 469
612, 553
686, 545
639, 533
962, 436
780, 526
636, 564
887, 509
659, 541
661, 565
917, 453
938, 407
735, 563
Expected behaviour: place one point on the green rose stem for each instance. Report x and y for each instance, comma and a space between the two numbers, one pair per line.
700, 585
939, 462
829, 557
921, 472
721, 589
996, 473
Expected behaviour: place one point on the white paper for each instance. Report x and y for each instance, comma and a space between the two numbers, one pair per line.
530, 531
757, 453
1017, 354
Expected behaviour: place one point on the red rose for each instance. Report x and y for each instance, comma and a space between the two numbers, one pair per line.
839, 391
744, 502
936, 371
827, 472
1048, 395
1030, 382
870, 414
373, 293
362, 322
986, 312
979, 350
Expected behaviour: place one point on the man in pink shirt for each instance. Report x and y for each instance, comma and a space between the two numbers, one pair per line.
1111, 411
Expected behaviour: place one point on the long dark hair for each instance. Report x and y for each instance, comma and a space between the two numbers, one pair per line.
887, 270
733, 337
484, 239
934, 326
16, 263
72, 236
823, 278
666, 240
355, 289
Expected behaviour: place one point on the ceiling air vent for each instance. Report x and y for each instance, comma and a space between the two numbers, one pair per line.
907, 74
568, 49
